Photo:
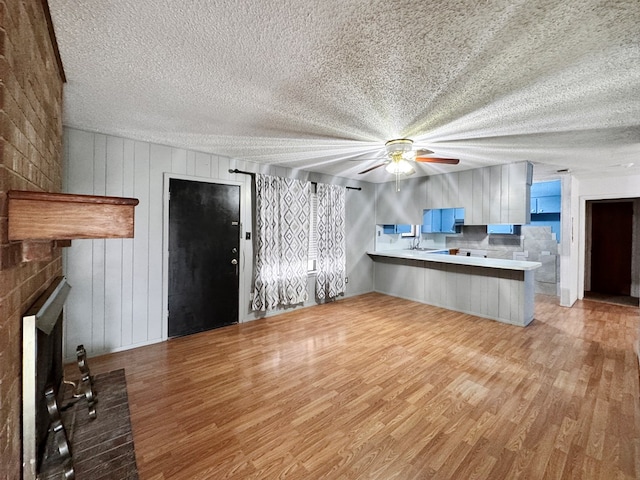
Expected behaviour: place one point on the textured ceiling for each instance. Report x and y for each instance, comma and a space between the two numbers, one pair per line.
313, 84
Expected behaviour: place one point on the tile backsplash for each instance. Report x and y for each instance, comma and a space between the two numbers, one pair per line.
536, 244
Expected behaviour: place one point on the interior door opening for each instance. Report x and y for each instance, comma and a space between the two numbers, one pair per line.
204, 244
610, 265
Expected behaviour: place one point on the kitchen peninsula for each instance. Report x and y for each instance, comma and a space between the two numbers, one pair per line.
498, 289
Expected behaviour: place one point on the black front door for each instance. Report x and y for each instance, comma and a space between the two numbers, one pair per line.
204, 239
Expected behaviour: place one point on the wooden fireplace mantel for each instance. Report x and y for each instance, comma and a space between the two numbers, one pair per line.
63, 216
43, 220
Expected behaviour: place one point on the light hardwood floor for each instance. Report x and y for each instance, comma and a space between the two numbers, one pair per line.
381, 387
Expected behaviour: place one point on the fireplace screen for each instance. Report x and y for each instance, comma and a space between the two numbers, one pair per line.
42, 367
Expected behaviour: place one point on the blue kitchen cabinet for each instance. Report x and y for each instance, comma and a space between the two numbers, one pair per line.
545, 197
503, 229
432, 220
452, 219
442, 220
546, 204
447, 223
393, 229
545, 189
458, 215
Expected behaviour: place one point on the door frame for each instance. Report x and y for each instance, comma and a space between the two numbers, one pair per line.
585, 235
167, 177
588, 273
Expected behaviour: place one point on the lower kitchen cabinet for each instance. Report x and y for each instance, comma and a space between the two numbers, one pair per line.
501, 290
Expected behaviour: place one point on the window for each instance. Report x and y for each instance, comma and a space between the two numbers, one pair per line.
313, 223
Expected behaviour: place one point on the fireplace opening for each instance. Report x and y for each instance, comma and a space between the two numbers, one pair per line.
42, 367
49, 372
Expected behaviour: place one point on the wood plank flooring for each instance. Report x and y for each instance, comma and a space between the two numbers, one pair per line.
384, 388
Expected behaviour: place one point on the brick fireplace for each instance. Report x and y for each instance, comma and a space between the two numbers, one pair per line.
31, 80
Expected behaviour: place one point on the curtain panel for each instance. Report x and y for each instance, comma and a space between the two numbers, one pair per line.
331, 244
282, 242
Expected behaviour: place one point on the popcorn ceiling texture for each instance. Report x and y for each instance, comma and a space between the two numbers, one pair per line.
310, 84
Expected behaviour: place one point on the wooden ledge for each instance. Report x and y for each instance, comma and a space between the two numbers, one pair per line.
69, 197
63, 216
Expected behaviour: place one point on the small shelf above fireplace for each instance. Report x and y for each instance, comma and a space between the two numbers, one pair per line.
41, 216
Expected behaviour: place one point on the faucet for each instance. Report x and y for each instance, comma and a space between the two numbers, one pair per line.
415, 243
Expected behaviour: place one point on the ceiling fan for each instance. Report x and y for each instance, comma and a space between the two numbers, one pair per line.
400, 154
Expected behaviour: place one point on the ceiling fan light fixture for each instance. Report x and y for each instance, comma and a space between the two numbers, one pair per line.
400, 167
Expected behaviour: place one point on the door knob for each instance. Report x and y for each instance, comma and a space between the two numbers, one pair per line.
234, 262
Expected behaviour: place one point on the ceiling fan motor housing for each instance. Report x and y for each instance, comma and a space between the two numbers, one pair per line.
399, 146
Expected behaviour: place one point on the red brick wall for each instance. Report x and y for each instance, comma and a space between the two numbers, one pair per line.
30, 159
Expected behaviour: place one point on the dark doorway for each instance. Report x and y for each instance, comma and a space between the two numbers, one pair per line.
204, 240
611, 247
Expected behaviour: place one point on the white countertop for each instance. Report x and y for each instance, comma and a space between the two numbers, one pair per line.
430, 256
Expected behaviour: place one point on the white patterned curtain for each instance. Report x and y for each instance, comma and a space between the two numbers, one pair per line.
282, 241
331, 262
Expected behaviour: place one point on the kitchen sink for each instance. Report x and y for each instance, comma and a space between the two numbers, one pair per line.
418, 251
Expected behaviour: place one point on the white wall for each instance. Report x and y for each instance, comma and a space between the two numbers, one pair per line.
569, 238
117, 299
600, 188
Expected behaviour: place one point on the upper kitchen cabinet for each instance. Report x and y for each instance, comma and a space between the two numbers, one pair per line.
450, 191
400, 207
545, 197
546, 189
501, 229
442, 220
489, 195
433, 186
394, 229
432, 221
452, 219
518, 191
546, 205
465, 194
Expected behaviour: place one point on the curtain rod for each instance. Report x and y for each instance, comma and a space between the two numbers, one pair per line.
235, 170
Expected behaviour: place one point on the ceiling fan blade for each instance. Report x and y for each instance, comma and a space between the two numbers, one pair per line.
372, 168
448, 161
423, 151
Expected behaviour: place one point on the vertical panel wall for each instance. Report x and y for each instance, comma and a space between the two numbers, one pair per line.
117, 300
402, 203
